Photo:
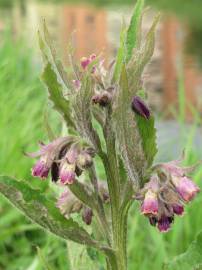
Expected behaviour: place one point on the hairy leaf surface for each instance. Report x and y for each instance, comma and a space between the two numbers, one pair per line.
189, 260
82, 113
34, 205
134, 31
61, 104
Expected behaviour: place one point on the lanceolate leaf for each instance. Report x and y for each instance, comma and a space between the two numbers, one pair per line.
49, 54
81, 105
191, 259
141, 57
128, 136
34, 205
120, 55
134, 31
61, 104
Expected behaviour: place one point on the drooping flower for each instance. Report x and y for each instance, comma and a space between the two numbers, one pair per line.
178, 209
40, 169
150, 203
185, 187
139, 106
48, 154
164, 223
166, 193
67, 173
68, 203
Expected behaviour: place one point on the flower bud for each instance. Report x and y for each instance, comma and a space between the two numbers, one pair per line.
103, 99
68, 203
40, 169
67, 173
85, 62
84, 160
104, 193
87, 215
178, 209
150, 203
164, 223
185, 188
139, 106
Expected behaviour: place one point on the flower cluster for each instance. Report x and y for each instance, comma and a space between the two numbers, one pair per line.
166, 194
65, 157
68, 204
103, 91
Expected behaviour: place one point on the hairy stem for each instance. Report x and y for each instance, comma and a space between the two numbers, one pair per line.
100, 208
113, 179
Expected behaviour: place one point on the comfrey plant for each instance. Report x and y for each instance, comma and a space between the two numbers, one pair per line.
111, 98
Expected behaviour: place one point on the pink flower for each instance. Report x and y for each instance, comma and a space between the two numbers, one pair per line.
40, 169
173, 168
67, 173
150, 203
85, 62
68, 203
185, 187
48, 153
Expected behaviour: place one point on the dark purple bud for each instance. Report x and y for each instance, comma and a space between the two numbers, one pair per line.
87, 216
40, 169
164, 223
178, 209
139, 106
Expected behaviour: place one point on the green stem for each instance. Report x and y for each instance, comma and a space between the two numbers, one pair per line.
113, 179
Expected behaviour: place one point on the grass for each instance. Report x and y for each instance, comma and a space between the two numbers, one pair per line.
23, 246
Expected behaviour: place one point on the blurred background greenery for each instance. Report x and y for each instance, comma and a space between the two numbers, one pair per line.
23, 102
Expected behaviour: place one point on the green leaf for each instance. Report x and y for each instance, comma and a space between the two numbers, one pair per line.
81, 105
49, 55
42, 259
84, 194
147, 133
190, 260
120, 55
128, 136
40, 210
141, 57
47, 127
134, 31
61, 104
